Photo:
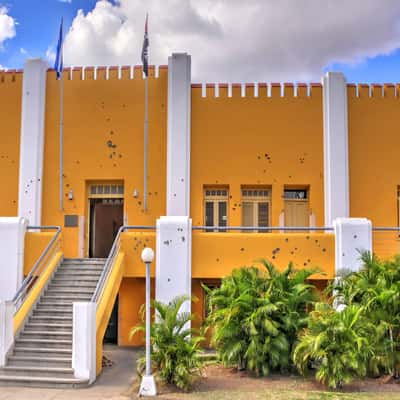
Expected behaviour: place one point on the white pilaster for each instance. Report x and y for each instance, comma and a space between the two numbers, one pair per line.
6, 330
178, 140
352, 236
84, 340
174, 259
12, 240
32, 140
336, 168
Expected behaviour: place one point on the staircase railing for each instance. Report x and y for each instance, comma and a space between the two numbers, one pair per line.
29, 282
111, 259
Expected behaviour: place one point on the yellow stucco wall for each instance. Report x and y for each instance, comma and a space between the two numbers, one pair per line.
10, 130
374, 141
35, 243
273, 141
103, 140
132, 244
215, 255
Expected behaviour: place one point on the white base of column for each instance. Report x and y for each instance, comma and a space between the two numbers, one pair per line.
148, 386
84, 340
352, 237
12, 240
6, 329
174, 259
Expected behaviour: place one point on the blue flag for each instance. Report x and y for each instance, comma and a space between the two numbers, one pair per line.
58, 65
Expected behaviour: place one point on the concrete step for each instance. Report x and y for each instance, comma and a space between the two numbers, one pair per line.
55, 306
58, 306
66, 297
21, 351
81, 267
14, 370
85, 260
39, 361
72, 285
44, 343
51, 319
68, 279
44, 382
54, 335
49, 312
42, 326
72, 290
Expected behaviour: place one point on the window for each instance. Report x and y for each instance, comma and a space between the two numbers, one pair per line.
255, 207
106, 191
297, 212
216, 208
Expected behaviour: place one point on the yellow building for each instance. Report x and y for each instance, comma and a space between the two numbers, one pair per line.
268, 157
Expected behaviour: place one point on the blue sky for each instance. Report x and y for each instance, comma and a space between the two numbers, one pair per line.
37, 27
294, 40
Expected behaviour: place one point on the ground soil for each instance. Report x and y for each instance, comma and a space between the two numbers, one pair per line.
220, 379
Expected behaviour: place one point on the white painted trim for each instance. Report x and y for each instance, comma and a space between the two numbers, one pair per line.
336, 168
174, 259
84, 340
32, 140
352, 236
81, 236
178, 135
6, 330
12, 241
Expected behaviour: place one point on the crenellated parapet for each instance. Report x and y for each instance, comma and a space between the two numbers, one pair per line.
258, 90
373, 90
112, 73
10, 76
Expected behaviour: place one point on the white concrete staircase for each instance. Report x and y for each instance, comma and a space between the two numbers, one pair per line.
42, 353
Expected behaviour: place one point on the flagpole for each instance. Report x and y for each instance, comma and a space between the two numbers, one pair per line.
145, 140
61, 80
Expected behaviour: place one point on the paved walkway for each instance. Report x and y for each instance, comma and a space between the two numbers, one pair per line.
113, 384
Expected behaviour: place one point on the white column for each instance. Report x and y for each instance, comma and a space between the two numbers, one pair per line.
174, 259
6, 330
336, 165
352, 236
178, 136
12, 240
84, 340
32, 140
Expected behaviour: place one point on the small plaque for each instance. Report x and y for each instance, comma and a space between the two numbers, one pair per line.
70, 221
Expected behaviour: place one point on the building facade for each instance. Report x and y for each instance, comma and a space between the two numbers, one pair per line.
219, 155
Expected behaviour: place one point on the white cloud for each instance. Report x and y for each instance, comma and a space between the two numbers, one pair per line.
23, 51
65, 1
50, 55
235, 40
7, 26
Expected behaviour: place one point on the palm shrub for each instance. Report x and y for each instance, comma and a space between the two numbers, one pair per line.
376, 287
255, 315
175, 347
337, 344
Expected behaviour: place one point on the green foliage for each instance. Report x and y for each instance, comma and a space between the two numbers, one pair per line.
376, 287
175, 348
365, 336
256, 314
338, 344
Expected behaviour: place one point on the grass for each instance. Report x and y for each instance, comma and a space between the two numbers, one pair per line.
279, 395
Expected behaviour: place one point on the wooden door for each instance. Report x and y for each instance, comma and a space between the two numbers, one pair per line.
297, 213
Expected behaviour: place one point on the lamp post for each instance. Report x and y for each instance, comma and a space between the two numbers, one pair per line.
148, 384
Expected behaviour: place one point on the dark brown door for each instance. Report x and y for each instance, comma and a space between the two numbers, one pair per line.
106, 218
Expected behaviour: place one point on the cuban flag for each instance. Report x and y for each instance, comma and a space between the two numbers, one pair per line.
58, 64
145, 49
